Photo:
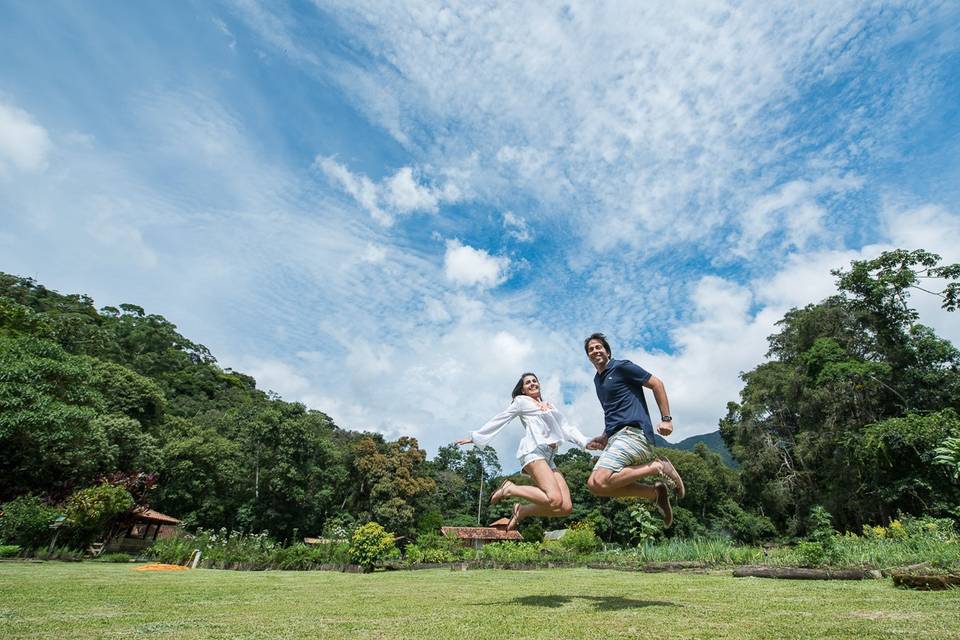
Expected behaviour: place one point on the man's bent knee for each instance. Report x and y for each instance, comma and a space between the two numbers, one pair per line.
599, 481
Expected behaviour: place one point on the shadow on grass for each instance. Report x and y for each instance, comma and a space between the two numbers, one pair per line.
602, 603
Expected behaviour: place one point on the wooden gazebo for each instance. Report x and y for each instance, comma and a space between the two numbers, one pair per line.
139, 529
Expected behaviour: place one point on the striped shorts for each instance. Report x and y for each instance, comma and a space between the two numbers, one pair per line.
625, 448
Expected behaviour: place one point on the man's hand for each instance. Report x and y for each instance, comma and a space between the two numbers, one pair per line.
597, 443
665, 428
463, 441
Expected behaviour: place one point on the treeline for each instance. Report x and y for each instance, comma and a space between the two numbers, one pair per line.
846, 413
853, 403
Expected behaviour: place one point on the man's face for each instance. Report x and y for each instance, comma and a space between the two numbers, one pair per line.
597, 354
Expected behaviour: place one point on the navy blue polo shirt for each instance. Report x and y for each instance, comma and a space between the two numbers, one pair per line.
620, 390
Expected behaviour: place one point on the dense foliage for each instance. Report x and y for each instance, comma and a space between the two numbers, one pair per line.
856, 410
852, 405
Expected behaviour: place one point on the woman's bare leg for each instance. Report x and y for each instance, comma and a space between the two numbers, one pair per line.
552, 484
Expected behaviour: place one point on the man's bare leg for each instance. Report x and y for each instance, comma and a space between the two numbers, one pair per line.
627, 476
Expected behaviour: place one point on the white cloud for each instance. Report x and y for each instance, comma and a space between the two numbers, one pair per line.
397, 194
361, 188
374, 254
403, 194
620, 117
24, 143
273, 375
516, 227
463, 265
792, 207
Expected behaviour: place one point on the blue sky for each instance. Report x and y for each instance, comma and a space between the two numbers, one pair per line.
390, 212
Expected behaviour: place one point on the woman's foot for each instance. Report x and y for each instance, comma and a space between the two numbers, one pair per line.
501, 492
515, 518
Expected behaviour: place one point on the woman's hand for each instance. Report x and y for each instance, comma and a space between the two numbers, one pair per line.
597, 443
463, 441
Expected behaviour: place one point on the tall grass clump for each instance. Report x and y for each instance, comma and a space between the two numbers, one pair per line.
708, 551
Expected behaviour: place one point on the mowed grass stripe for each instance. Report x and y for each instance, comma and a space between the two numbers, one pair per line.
91, 600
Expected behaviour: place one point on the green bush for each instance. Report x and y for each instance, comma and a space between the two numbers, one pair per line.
114, 557
645, 527
225, 548
305, 557
369, 544
581, 538
67, 554
26, 521
89, 511
742, 526
9, 550
532, 533
515, 552
172, 550
415, 554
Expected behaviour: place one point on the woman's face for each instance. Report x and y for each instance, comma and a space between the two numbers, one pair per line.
531, 387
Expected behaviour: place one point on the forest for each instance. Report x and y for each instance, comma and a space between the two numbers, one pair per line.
856, 409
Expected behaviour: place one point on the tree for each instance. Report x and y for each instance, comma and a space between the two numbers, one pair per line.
843, 378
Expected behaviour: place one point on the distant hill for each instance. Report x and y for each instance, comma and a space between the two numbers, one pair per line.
711, 441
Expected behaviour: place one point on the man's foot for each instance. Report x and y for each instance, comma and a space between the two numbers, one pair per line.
500, 493
673, 478
663, 504
515, 518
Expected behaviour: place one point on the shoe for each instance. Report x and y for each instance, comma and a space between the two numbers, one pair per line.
671, 476
498, 494
663, 504
515, 518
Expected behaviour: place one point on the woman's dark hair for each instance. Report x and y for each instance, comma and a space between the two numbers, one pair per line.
518, 388
603, 340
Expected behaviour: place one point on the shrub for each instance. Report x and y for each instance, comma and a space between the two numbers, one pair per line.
90, 510
26, 521
172, 550
645, 527
9, 550
520, 552
532, 533
114, 557
339, 527
742, 526
64, 553
223, 548
581, 538
369, 544
302, 556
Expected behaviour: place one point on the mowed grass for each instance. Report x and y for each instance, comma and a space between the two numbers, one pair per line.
93, 600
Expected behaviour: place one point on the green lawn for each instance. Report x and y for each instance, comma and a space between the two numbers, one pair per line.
95, 600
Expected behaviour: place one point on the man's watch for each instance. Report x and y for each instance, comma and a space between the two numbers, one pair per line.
666, 418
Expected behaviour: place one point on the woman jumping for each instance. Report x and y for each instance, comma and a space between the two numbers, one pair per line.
545, 428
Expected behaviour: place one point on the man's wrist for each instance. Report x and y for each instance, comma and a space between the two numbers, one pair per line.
666, 418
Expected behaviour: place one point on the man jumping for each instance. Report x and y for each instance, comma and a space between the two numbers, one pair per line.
627, 440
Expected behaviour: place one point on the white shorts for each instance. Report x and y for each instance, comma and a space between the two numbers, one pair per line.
543, 452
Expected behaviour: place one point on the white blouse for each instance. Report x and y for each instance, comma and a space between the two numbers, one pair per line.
542, 427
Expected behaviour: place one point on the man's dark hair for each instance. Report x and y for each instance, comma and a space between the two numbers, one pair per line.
603, 340
518, 388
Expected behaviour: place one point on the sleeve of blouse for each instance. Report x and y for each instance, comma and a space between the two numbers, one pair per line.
571, 433
482, 436
521, 406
